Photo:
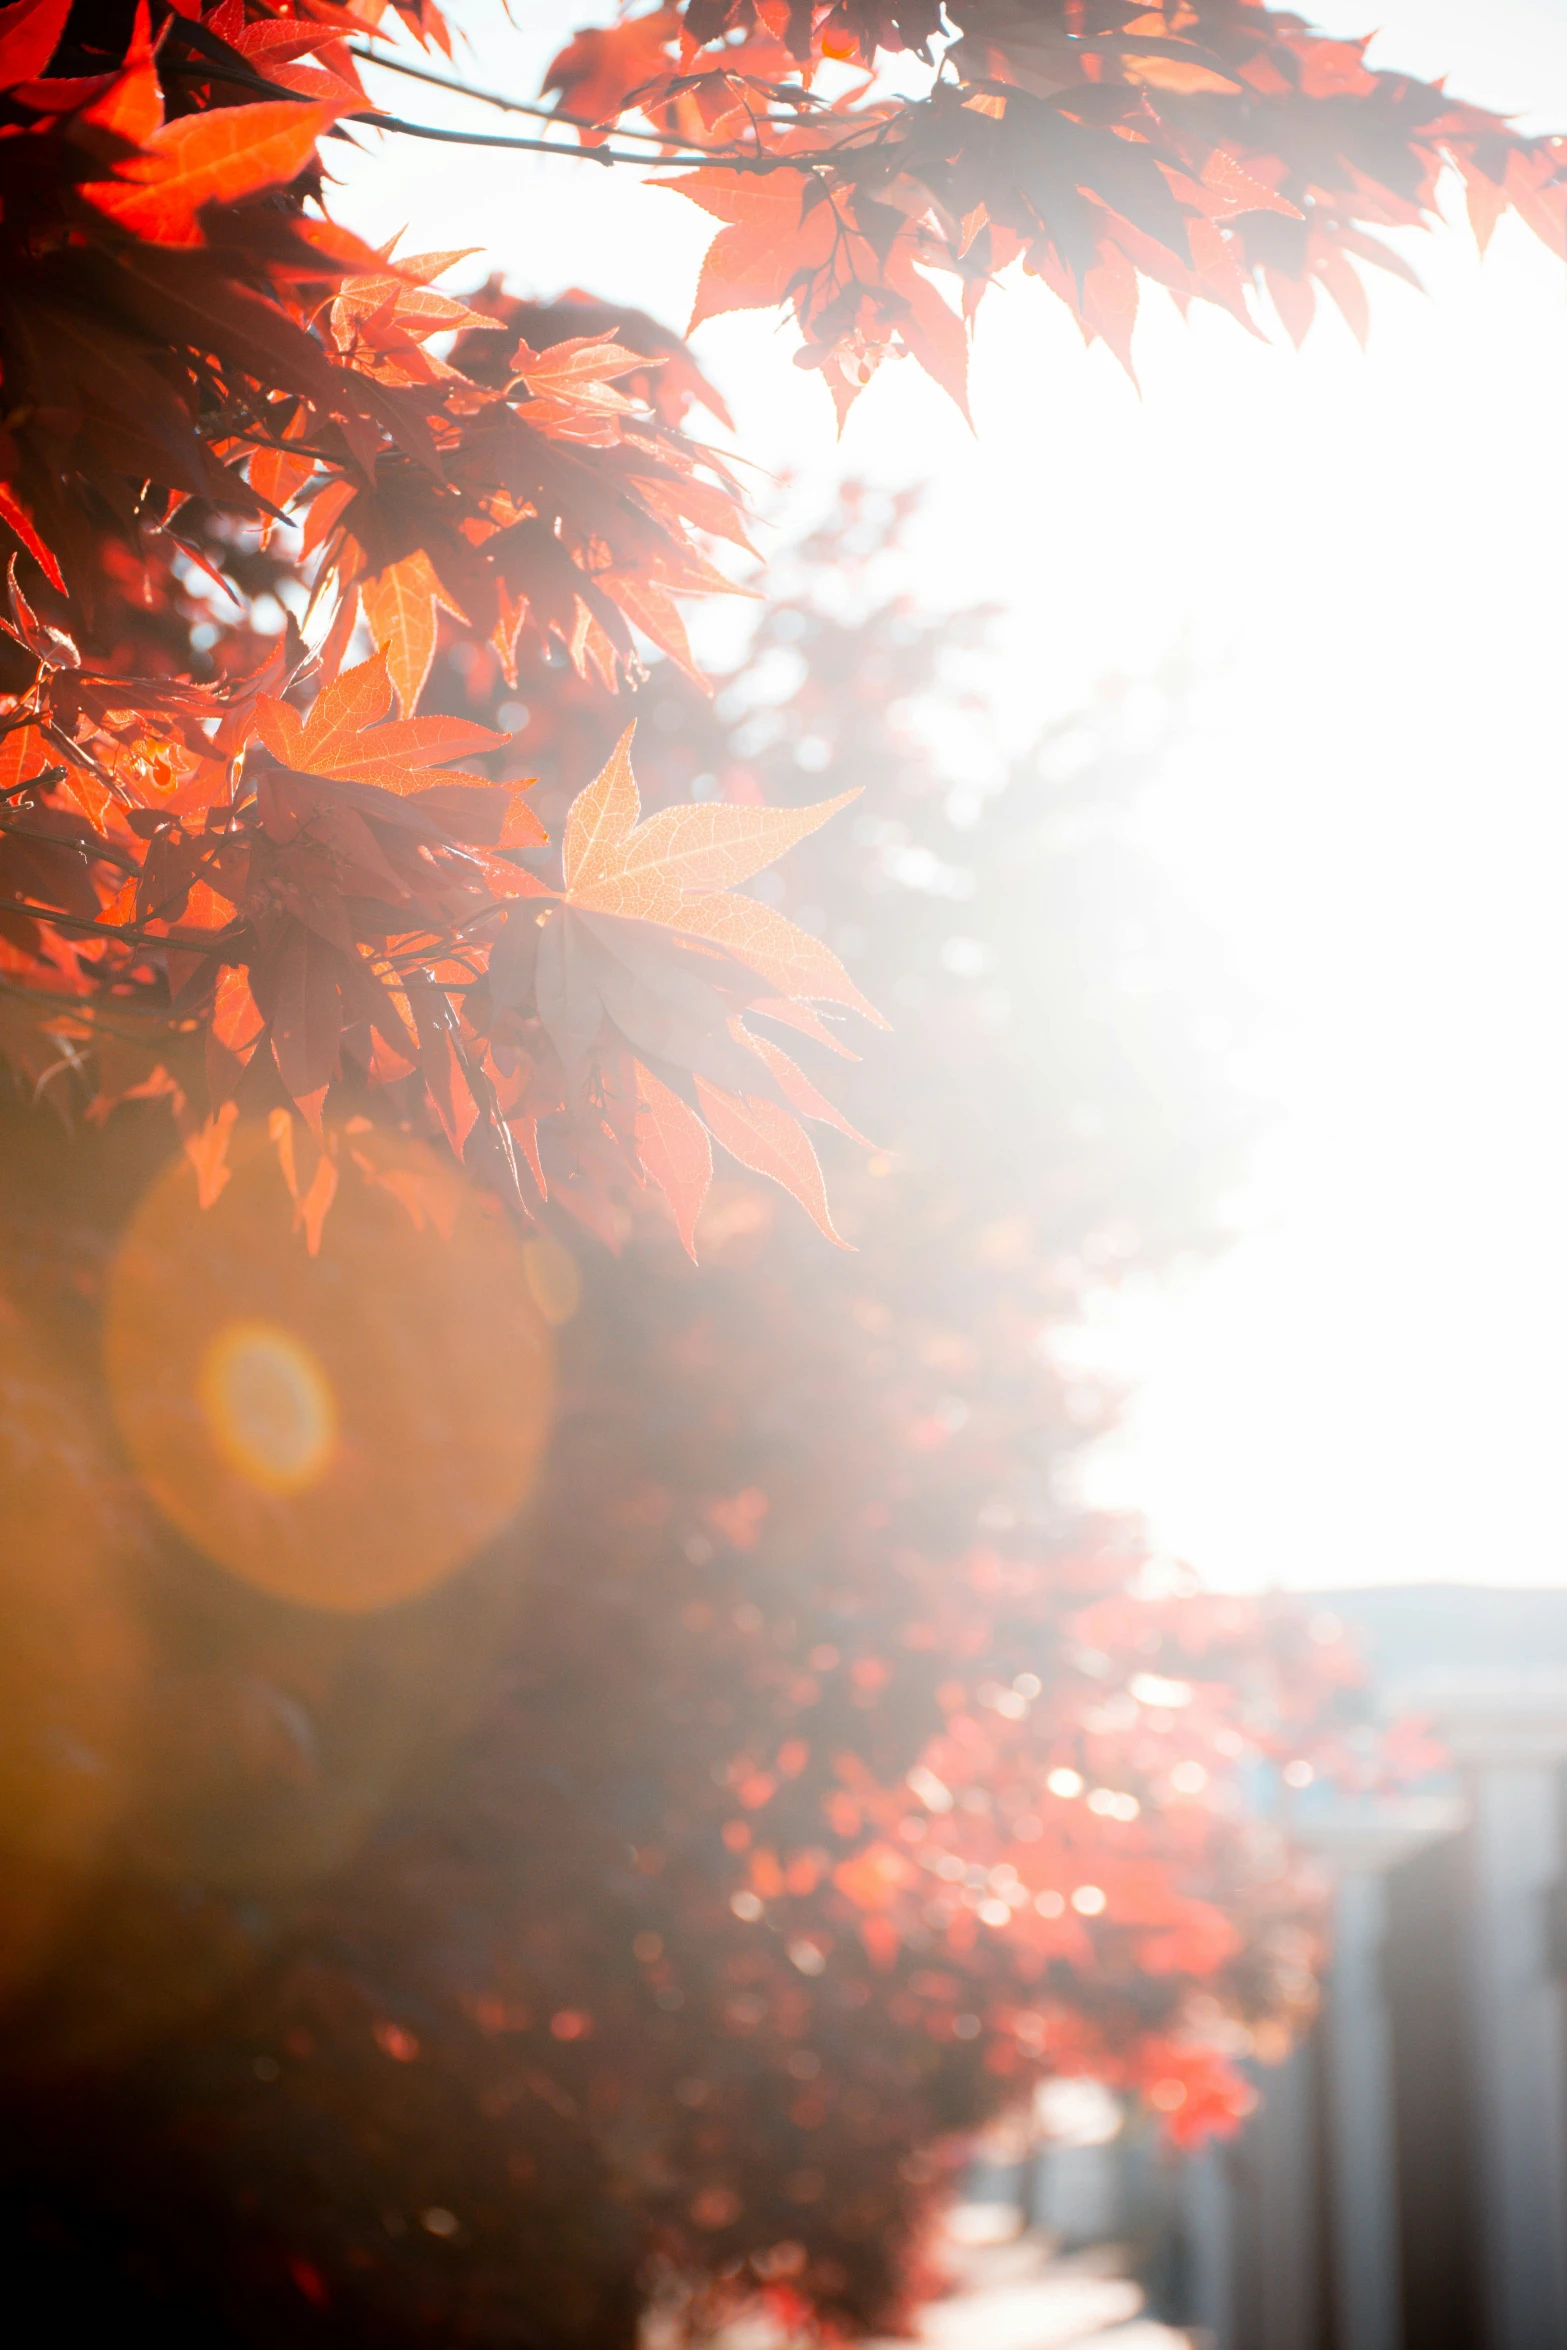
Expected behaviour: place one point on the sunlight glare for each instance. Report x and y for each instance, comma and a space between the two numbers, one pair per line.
269, 1405
1357, 558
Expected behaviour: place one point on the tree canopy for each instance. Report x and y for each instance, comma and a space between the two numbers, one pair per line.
245, 880
806, 1772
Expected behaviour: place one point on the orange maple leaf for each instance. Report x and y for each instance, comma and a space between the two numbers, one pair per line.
783, 240
600, 69
400, 606
28, 39
675, 1150
677, 867
674, 870
342, 736
211, 158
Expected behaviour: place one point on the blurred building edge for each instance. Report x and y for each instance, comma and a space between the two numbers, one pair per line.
1404, 2183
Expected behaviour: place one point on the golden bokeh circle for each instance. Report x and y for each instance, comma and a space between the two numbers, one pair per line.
554, 1278
341, 1430
269, 1406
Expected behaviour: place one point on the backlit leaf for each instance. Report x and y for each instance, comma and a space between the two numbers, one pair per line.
673, 1146
602, 818
210, 158
400, 605
766, 1139
29, 35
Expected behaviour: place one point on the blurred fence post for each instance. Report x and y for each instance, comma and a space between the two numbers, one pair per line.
1362, 2177
1513, 1759
1404, 2186
1210, 2239
1276, 2161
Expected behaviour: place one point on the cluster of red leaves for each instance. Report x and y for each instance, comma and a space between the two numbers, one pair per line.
669, 1897
750, 1887
1213, 147
244, 897
192, 352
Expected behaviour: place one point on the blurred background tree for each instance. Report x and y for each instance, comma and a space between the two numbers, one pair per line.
645, 1917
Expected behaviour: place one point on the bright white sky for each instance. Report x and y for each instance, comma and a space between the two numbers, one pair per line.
1366, 557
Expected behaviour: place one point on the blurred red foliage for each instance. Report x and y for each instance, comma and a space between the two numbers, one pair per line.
644, 1917
647, 1916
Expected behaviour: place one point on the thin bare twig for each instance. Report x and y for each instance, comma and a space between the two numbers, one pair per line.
725, 152
689, 152
201, 942
739, 160
533, 106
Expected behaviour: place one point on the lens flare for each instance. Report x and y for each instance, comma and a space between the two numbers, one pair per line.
269, 1405
341, 1430
553, 1278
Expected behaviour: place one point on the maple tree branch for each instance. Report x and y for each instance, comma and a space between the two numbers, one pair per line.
685, 151
77, 755
99, 851
533, 106
430, 130
200, 942
375, 120
740, 160
727, 152
44, 780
